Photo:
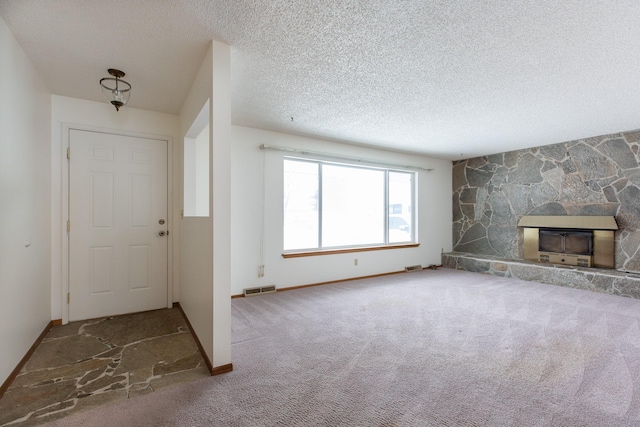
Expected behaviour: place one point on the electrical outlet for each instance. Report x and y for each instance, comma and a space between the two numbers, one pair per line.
355, 261
261, 271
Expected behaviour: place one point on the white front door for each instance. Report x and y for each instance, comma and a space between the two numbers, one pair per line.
118, 224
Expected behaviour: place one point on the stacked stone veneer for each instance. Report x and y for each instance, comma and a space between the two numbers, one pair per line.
594, 176
608, 281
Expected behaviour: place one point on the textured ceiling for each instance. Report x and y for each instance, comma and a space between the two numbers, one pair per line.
445, 78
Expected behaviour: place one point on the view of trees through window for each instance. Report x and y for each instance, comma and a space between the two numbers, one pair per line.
329, 205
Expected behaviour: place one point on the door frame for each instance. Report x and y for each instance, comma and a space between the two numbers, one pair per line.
66, 137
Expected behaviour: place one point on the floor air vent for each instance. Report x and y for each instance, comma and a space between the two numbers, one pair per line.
411, 268
248, 292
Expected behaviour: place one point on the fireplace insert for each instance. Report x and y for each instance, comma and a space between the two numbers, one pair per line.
566, 246
583, 241
575, 242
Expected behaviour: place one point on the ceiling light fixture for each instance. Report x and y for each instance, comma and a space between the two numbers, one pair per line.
116, 91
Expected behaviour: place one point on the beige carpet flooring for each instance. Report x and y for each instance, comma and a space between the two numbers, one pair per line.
89, 363
431, 348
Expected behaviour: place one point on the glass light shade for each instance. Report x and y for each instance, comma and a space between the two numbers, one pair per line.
115, 90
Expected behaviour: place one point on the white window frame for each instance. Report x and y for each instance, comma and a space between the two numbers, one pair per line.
386, 171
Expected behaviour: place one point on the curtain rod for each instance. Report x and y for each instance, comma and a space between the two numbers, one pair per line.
339, 157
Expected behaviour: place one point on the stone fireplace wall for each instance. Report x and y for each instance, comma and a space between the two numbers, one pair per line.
593, 176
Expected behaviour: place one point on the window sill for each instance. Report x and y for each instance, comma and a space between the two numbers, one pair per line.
348, 250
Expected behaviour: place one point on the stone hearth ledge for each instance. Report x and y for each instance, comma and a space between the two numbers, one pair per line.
602, 280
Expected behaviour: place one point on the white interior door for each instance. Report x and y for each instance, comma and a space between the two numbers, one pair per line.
118, 224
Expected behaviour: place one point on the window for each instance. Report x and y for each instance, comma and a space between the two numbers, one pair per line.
331, 205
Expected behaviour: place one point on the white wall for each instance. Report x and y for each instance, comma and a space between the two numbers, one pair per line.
250, 166
196, 170
102, 115
205, 246
25, 165
202, 199
196, 242
220, 154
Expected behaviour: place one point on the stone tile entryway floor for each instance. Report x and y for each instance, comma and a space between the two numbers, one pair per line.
89, 363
